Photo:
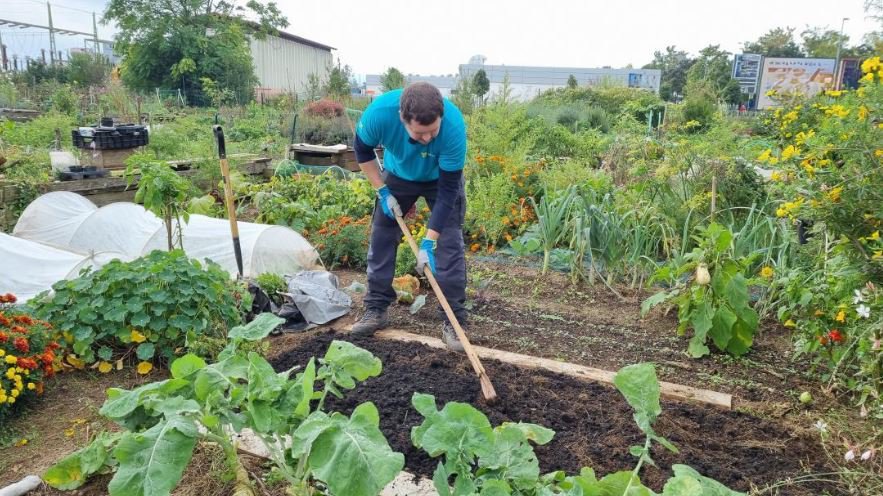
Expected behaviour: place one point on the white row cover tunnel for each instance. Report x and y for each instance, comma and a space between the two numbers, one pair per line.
71, 222
28, 268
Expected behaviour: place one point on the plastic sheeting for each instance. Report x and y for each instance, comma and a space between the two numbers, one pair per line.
28, 268
67, 221
316, 295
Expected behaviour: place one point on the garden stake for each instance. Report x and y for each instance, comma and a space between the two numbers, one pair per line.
487, 389
228, 195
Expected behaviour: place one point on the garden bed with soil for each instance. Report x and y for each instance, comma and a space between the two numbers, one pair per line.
593, 423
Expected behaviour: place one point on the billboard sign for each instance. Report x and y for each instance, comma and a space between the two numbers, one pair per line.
746, 69
794, 75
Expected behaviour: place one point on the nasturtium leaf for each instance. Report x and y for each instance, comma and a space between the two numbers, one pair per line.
145, 351
105, 353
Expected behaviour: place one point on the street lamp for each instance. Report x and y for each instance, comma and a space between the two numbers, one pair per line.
837, 57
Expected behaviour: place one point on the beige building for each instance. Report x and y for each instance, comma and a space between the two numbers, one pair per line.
283, 63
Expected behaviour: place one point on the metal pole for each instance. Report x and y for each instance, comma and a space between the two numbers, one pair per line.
51, 35
95, 33
837, 57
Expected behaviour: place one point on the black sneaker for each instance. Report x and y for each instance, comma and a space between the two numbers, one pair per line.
449, 336
371, 322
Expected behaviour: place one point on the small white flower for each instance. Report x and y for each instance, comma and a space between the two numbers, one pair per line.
863, 311
867, 455
858, 298
849, 456
822, 426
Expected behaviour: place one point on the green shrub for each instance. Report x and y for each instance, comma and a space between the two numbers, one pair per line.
152, 306
343, 242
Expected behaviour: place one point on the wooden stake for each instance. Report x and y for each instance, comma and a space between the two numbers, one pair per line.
487, 389
713, 195
668, 389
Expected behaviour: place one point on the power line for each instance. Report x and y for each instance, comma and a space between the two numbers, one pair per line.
58, 5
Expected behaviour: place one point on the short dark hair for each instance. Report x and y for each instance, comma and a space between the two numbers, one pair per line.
421, 102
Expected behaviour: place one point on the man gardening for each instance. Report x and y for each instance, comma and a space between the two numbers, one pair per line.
424, 141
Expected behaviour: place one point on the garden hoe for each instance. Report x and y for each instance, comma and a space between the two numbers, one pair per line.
228, 195
487, 389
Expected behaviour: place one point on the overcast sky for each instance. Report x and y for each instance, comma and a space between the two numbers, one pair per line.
435, 37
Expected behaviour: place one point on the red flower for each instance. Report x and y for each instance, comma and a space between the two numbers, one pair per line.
53, 346
24, 319
47, 358
4, 321
8, 298
835, 336
21, 344
27, 363
4, 337
19, 329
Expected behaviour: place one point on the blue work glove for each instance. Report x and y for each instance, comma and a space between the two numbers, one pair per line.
388, 203
426, 255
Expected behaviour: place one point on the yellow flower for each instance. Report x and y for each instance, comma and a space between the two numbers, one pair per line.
69, 432
776, 176
144, 368
781, 212
789, 152
15, 393
763, 157
11, 359
878, 153
834, 93
137, 337
841, 316
875, 236
834, 194
790, 323
22, 442
863, 113
2, 352
76, 362
878, 255
104, 367
10, 373
867, 78
766, 272
871, 65
10, 400
31, 386
774, 161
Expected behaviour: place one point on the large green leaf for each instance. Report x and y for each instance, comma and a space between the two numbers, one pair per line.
307, 382
257, 329
186, 365
73, 471
346, 363
736, 292
682, 486
459, 431
743, 334
440, 480
152, 462
722, 326
701, 320
495, 488
263, 382
534, 433
622, 483
652, 301
639, 385
351, 456
710, 487
511, 458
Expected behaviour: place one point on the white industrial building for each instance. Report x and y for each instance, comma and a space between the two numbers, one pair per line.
445, 84
527, 82
284, 62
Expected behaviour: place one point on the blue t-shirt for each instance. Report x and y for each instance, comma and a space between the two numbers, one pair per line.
381, 125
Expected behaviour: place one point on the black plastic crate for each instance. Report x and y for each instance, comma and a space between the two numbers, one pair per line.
121, 137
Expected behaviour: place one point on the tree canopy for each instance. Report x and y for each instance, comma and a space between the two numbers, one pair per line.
777, 42
392, 79
674, 65
183, 43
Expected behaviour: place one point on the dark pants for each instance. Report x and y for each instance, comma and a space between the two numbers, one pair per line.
450, 256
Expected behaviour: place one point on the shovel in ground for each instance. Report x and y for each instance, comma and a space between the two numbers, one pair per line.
487, 389
228, 196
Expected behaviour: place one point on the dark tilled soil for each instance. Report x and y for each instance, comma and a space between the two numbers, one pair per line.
593, 423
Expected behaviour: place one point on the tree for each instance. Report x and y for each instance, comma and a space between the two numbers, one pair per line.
177, 43
674, 65
714, 67
313, 87
480, 84
87, 69
462, 95
392, 79
572, 83
778, 42
338, 85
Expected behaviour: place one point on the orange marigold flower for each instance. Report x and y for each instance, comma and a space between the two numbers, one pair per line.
4, 337
21, 344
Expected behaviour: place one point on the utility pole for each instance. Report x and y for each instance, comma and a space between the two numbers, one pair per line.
51, 35
95, 32
837, 76
2, 54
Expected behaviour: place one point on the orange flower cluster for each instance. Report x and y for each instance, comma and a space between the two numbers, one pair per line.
27, 354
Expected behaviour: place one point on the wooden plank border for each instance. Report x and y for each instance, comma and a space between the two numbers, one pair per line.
669, 390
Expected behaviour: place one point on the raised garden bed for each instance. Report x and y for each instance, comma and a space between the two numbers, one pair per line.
593, 423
